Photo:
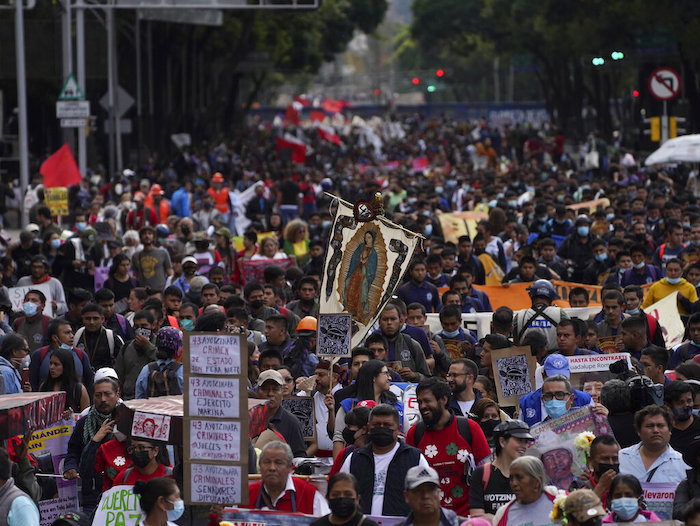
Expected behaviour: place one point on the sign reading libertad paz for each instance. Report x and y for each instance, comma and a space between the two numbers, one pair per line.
215, 432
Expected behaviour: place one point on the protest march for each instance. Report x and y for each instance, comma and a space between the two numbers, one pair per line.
405, 321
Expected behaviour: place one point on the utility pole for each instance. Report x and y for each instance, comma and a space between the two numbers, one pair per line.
22, 109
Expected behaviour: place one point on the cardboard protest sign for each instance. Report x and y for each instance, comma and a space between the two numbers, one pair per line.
456, 224
21, 411
151, 426
254, 269
17, 295
659, 498
57, 200
215, 440
514, 372
118, 506
596, 362
216, 483
334, 334
159, 409
302, 407
666, 313
554, 443
215, 354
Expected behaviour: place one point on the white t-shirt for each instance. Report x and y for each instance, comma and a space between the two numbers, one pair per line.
465, 406
322, 438
535, 514
381, 466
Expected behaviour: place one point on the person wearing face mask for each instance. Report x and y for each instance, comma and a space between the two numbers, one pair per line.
307, 304
604, 465
439, 432
599, 269
626, 502
160, 500
678, 397
344, 499
382, 465
164, 375
577, 249
673, 282
355, 433
39, 268
145, 465
640, 273
136, 354
34, 324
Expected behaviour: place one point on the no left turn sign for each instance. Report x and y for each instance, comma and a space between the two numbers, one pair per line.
665, 84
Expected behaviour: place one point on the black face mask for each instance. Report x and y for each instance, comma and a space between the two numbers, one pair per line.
140, 458
185, 230
349, 436
256, 304
488, 426
381, 436
306, 303
602, 468
163, 355
342, 507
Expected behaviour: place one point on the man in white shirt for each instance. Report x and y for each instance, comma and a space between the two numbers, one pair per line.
382, 465
460, 378
653, 460
324, 409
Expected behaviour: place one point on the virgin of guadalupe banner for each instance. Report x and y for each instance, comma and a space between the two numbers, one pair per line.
367, 256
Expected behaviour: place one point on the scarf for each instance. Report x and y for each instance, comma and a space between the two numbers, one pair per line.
93, 422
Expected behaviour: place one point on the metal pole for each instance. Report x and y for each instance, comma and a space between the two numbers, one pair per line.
22, 109
109, 13
139, 94
117, 118
67, 51
496, 80
149, 45
664, 124
82, 81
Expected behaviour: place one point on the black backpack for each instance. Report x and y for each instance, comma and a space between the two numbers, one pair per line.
165, 382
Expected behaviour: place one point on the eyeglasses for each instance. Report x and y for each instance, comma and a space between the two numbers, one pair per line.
131, 449
559, 395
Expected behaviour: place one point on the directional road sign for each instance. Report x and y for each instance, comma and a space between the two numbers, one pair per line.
665, 84
72, 109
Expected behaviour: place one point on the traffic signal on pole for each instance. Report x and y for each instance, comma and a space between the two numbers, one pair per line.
440, 72
598, 61
635, 93
416, 80
431, 88
617, 55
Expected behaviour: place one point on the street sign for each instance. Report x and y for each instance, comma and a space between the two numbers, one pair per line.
665, 83
72, 123
124, 126
72, 109
71, 90
123, 101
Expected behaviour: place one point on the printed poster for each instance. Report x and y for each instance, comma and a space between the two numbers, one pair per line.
151, 426
659, 498
334, 334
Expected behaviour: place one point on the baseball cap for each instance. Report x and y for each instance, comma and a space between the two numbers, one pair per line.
418, 475
72, 518
556, 364
270, 374
223, 231
369, 404
189, 259
105, 372
583, 505
514, 428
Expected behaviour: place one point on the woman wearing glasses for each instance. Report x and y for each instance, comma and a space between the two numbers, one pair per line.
146, 462
13, 350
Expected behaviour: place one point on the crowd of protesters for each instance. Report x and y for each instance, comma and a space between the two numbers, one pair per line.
179, 238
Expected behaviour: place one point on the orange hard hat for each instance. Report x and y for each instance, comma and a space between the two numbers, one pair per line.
307, 323
217, 178
157, 190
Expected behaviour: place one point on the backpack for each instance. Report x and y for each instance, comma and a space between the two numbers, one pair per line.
45, 350
165, 382
44, 323
110, 339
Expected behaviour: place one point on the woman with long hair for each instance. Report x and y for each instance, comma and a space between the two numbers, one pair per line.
226, 252
373, 383
62, 377
119, 280
296, 241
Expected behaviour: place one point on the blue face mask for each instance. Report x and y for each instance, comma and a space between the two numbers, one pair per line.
65, 346
625, 508
601, 257
639, 265
609, 217
81, 226
452, 334
29, 308
582, 231
187, 325
673, 281
55, 243
428, 231
555, 408
177, 511
632, 312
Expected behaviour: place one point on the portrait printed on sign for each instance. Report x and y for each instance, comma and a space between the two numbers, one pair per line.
362, 272
150, 425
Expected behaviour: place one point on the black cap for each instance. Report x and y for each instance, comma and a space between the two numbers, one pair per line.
513, 428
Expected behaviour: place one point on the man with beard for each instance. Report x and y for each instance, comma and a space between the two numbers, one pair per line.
151, 265
164, 376
460, 378
453, 445
91, 431
307, 304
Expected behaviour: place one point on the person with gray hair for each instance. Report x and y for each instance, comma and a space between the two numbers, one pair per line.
278, 489
533, 500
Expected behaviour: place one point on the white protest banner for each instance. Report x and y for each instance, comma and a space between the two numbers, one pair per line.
101, 275
215, 354
215, 397
596, 362
118, 507
17, 296
150, 425
215, 440
659, 498
666, 313
215, 484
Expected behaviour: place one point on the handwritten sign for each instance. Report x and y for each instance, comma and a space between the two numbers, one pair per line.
57, 200
150, 425
118, 505
216, 397
215, 440
596, 362
17, 295
215, 484
215, 354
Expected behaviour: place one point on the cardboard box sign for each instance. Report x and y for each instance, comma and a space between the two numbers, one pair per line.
21, 411
153, 415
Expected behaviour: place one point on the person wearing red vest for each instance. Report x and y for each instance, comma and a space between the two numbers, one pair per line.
219, 193
158, 203
279, 490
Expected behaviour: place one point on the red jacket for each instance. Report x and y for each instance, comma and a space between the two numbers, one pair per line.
304, 497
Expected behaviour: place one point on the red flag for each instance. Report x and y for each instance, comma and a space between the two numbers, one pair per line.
297, 148
301, 99
420, 164
328, 134
291, 115
60, 169
332, 106
317, 116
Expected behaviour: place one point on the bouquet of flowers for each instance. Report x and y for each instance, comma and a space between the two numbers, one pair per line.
583, 442
558, 514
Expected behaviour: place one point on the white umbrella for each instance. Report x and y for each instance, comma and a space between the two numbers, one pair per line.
681, 149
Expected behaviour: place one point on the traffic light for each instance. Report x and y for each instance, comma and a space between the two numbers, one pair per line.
635, 93
431, 88
598, 61
440, 72
416, 80
617, 55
